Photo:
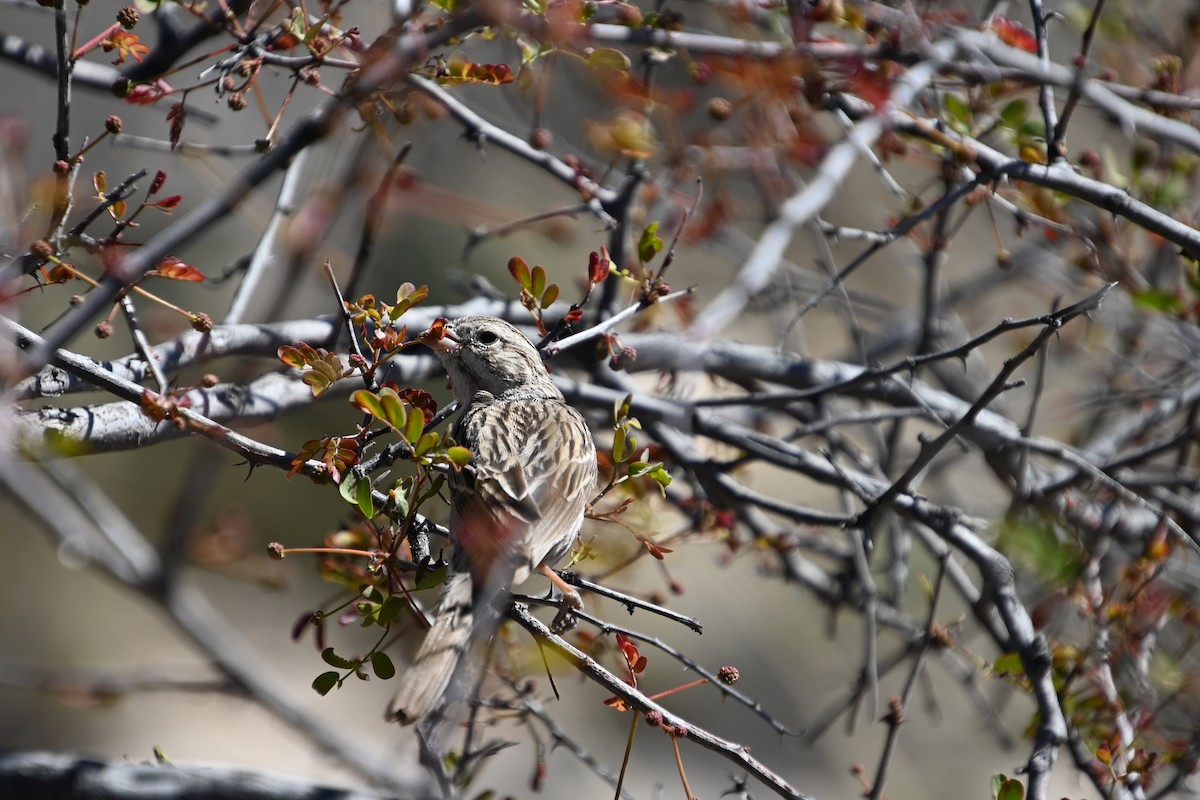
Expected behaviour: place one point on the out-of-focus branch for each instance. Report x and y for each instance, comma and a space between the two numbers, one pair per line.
312, 128
481, 131
40, 774
818, 191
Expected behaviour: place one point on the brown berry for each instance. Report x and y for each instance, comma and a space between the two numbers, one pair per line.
541, 138
128, 17
720, 109
201, 322
237, 101
41, 250
104, 330
113, 124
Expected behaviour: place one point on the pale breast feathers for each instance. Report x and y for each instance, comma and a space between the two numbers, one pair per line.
527, 458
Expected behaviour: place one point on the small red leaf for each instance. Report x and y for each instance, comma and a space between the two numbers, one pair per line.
176, 116
167, 204
175, 269
599, 265
1014, 34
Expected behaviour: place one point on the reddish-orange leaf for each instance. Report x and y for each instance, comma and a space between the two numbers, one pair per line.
1014, 34
437, 330
126, 43
176, 116
657, 551
419, 398
167, 204
870, 82
175, 269
599, 265
58, 273
148, 94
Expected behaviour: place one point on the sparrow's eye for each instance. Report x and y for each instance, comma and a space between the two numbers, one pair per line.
488, 337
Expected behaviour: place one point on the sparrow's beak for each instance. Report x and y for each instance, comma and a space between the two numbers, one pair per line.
440, 337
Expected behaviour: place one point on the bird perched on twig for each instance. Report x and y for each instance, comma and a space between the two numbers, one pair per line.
516, 508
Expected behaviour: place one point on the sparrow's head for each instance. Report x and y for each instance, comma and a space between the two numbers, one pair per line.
490, 355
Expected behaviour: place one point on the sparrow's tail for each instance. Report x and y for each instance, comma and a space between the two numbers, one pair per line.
424, 685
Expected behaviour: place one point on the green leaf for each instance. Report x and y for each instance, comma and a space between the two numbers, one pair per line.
414, 427
386, 406
1014, 113
661, 476
426, 443
649, 245
1033, 128
956, 108
519, 269
639, 468
1041, 548
621, 409
357, 491
550, 295
537, 283
382, 666
1157, 300
398, 500
291, 356
619, 450
334, 660
1011, 789
608, 60
459, 456
348, 488
365, 498
369, 612
325, 682
390, 610
432, 578
1009, 664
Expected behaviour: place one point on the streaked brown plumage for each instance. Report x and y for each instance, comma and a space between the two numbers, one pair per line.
516, 508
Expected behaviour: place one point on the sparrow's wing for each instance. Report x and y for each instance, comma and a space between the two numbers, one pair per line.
532, 472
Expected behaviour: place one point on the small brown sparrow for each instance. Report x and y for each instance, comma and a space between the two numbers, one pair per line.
516, 508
